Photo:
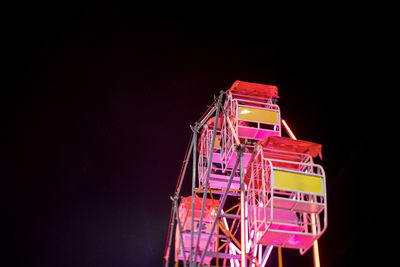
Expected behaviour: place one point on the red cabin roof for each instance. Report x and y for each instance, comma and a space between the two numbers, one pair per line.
254, 89
291, 145
287, 145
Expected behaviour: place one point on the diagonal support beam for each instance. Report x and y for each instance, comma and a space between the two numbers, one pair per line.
218, 104
171, 227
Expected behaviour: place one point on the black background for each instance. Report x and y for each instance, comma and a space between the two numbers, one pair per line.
98, 99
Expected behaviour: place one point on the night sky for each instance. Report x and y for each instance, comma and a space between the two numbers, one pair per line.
97, 101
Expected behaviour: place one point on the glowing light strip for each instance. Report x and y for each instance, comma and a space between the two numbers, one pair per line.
266, 254
280, 256
291, 134
242, 234
315, 245
246, 227
234, 248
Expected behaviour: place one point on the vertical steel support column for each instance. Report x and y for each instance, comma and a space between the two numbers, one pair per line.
209, 162
195, 129
242, 212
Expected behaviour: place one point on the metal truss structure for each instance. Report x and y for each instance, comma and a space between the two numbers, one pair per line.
252, 189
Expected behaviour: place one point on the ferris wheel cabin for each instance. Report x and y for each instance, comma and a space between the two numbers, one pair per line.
251, 115
217, 179
281, 202
185, 217
286, 193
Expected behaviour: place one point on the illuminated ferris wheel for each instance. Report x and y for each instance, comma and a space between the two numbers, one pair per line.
252, 188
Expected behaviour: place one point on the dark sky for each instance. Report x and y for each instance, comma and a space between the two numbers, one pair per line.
98, 100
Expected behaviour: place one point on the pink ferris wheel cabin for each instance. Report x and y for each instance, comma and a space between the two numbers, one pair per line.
251, 114
286, 195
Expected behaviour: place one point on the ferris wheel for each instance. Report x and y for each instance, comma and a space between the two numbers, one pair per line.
252, 188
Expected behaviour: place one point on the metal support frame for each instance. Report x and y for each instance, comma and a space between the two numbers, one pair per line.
256, 253
240, 148
241, 249
174, 211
